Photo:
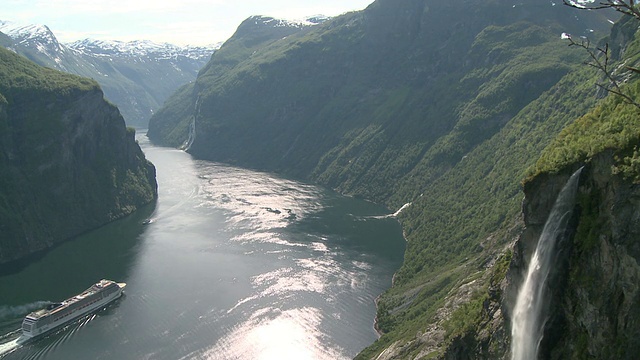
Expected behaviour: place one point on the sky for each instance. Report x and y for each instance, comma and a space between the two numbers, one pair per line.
180, 22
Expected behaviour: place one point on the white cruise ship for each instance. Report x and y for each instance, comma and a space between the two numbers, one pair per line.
98, 295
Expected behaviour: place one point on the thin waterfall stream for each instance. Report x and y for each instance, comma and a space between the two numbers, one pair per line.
529, 317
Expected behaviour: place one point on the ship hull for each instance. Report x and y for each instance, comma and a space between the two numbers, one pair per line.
34, 329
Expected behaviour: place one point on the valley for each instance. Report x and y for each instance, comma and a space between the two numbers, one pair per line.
463, 119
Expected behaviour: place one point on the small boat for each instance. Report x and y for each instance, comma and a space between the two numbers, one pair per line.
98, 295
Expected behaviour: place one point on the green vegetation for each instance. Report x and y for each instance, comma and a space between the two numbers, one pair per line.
26, 76
137, 85
466, 317
408, 102
68, 164
4, 40
613, 125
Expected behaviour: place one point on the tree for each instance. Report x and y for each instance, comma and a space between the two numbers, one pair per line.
600, 56
626, 7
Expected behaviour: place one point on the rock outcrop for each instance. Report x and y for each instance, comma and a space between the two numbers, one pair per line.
594, 312
68, 164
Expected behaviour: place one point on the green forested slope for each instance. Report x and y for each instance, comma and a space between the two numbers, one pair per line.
461, 221
594, 312
171, 124
68, 164
444, 105
614, 124
369, 96
4, 40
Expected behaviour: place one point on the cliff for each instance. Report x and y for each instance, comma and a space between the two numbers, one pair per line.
592, 309
440, 105
174, 123
594, 312
68, 164
137, 76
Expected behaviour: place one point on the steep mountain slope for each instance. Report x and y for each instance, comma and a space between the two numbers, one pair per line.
595, 312
594, 297
68, 164
5, 40
358, 89
443, 105
137, 76
173, 125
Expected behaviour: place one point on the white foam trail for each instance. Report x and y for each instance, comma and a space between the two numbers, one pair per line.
13, 312
9, 347
389, 216
529, 317
395, 214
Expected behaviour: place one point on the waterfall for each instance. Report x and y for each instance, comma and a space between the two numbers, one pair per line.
192, 126
192, 135
528, 318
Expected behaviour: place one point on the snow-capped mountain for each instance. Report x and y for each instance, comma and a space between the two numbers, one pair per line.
137, 76
29, 34
302, 23
38, 39
141, 48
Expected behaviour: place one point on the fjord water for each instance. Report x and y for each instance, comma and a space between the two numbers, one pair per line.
529, 317
228, 264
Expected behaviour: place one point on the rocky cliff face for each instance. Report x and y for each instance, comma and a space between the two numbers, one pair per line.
594, 312
174, 123
68, 163
442, 105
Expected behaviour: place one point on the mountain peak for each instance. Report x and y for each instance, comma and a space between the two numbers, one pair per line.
43, 39
38, 37
142, 70
25, 31
138, 48
291, 23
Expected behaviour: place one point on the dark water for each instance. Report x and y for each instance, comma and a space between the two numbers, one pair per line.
233, 264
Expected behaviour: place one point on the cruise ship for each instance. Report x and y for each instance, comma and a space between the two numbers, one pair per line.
55, 315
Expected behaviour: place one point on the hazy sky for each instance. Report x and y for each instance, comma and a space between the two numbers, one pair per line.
196, 22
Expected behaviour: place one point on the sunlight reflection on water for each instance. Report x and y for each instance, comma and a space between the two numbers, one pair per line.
271, 333
231, 264
256, 201
258, 207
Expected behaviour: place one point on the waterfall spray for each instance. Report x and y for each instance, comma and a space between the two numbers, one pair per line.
192, 135
192, 127
528, 319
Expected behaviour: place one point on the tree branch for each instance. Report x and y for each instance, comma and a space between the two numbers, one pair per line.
601, 61
626, 7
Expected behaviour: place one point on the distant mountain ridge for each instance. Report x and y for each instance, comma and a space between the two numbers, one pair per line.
434, 107
174, 125
137, 76
140, 48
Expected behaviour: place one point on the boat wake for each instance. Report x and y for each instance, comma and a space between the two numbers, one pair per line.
12, 315
389, 216
56, 338
12, 345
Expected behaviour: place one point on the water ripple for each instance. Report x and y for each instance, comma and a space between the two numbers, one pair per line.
256, 200
271, 333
